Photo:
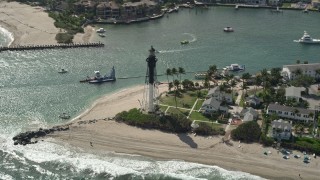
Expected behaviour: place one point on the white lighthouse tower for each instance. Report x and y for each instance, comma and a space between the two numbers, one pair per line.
151, 87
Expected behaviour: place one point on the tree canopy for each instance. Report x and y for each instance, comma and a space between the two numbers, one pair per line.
247, 132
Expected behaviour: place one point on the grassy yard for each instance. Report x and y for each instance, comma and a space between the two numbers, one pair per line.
186, 100
173, 110
198, 105
286, 5
198, 116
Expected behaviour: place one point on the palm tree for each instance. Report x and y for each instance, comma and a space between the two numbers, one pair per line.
265, 79
211, 72
168, 73
170, 86
176, 85
206, 83
181, 71
317, 73
174, 72
245, 76
297, 72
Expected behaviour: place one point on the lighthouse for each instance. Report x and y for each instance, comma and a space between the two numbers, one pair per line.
151, 78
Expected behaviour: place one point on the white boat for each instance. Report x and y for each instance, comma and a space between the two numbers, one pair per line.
306, 38
102, 35
235, 68
277, 10
101, 30
228, 29
63, 71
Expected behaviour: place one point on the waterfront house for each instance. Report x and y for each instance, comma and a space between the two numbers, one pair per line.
289, 71
213, 105
294, 93
84, 6
281, 129
315, 3
256, 2
298, 114
220, 95
249, 114
134, 10
108, 10
252, 101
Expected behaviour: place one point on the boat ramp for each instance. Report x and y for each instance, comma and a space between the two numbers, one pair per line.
53, 46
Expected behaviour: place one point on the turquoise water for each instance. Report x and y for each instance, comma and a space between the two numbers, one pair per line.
33, 93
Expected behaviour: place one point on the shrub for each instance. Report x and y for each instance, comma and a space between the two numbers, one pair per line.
247, 132
176, 124
64, 38
266, 141
206, 129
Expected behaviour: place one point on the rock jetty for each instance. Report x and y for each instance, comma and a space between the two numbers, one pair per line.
30, 137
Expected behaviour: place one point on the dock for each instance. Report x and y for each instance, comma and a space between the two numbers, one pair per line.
53, 46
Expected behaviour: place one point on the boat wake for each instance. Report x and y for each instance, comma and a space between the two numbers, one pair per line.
175, 50
194, 38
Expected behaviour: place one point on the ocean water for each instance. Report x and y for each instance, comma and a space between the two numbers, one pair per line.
33, 93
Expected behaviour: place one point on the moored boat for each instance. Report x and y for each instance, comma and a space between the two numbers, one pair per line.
235, 68
101, 30
200, 75
184, 42
62, 71
228, 29
306, 38
102, 35
98, 78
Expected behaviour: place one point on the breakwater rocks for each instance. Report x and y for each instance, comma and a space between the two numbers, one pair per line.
30, 137
53, 46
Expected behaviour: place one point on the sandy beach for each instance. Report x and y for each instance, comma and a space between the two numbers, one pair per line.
108, 135
31, 25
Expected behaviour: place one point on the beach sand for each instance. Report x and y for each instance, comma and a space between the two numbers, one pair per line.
108, 135
31, 25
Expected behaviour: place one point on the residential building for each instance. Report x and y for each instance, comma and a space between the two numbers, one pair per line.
294, 93
249, 114
213, 105
220, 95
256, 2
107, 10
84, 6
273, 2
315, 3
252, 101
281, 129
289, 71
294, 113
133, 10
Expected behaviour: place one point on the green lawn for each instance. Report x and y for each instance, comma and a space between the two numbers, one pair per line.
163, 108
198, 116
173, 110
286, 5
186, 101
198, 105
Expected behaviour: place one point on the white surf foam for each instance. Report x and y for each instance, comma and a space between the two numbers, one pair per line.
9, 38
115, 164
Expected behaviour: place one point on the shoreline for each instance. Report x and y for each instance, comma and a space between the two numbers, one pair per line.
31, 25
94, 133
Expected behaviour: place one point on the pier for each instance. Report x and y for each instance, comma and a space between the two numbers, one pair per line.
53, 46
